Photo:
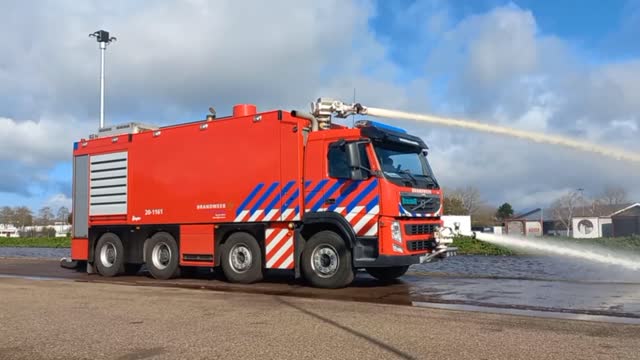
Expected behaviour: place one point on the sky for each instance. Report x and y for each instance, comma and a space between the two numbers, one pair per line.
570, 68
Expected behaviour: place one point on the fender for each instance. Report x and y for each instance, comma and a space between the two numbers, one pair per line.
335, 219
222, 231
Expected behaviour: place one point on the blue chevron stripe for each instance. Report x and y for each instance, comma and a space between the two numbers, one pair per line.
262, 198
362, 195
373, 203
248, 199
315, 191
327, 195
290, 200
278, 196
345, 193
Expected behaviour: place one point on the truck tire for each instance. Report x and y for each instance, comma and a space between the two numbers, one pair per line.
326, 261
387, 273
242, 259
162, 256
109, 255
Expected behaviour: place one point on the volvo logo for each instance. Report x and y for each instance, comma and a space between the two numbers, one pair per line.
422, 203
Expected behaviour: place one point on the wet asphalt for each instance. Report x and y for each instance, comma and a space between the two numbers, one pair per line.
538, 283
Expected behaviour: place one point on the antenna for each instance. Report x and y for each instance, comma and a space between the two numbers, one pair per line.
103, 39
353, 118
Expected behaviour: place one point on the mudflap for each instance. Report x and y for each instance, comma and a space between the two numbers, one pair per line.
68, 263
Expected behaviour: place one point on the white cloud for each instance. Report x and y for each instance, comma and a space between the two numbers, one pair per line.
42, 142
173, 60
56, 201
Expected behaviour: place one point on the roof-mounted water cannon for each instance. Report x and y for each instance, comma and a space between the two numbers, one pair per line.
323, 108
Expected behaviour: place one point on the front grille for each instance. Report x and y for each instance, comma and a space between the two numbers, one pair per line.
419, 229
421, 245
420, 204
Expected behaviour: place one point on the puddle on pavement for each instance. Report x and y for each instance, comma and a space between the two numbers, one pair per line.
536, 283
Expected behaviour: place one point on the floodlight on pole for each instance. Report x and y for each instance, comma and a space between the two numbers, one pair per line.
103, 39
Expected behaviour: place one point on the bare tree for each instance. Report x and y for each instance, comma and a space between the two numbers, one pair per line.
22, 216
453, 206
565, 207
613, 195
45, 215
6, 215
470, 197
484, 216
63, 214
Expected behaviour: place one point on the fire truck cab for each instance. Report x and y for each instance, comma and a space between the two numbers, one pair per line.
257, 191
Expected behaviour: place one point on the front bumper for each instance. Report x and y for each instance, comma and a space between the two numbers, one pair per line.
441, 252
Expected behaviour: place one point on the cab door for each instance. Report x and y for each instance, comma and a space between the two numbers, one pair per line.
348, 186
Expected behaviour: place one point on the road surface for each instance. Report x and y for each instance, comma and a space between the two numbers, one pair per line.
89, 320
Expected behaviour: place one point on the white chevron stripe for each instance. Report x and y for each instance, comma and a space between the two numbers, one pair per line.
339, 210
271, 214
241, 216
268, 233
256, 215
276, 240
373, 231
287, 263
364, 221
375, 210
286, 214
355, 211
283, 249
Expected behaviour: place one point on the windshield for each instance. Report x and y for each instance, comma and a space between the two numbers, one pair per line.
404, 163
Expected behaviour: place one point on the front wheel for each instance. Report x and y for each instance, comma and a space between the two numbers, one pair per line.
326, 261
387, 273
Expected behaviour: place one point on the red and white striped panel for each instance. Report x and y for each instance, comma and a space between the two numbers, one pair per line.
365, 223
279, 248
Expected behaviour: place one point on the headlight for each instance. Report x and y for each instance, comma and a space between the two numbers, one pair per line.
396, 232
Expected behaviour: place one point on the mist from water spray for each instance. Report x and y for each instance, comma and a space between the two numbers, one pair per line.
539, 245
562, 248
529, 135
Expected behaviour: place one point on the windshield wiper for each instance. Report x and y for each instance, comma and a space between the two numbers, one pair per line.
408, 172
435, 183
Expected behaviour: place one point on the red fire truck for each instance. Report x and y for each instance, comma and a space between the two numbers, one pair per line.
257, 191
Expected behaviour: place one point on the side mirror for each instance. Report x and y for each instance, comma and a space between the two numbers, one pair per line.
355, 164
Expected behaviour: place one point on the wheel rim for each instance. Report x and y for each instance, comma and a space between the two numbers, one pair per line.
161, 255
240, 258
325, 261
108, 255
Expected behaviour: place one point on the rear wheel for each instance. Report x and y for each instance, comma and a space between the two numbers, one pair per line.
387, 273
242, 259
162, 256
109, 255
326, 261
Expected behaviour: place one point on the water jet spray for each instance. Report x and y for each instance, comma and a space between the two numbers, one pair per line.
324, 107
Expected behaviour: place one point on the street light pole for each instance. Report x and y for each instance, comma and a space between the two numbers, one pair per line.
103, 39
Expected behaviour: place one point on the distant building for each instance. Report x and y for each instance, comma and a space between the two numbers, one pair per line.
607, 221
61, 230
528, 223
8, 230
587, 222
